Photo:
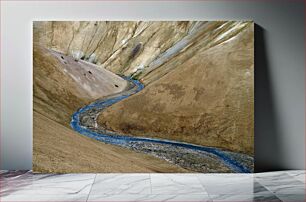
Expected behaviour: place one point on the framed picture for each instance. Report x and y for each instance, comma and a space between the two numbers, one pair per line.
143, 96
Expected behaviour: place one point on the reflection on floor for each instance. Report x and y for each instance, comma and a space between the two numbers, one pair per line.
272, 186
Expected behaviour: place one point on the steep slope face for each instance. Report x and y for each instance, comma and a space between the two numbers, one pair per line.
61, 150
118, 46
207, 99
62, 85
198, 78
144, 50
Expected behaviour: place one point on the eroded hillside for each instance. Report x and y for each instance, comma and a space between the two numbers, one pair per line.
62, 85
199, 88
145, 50
208, 99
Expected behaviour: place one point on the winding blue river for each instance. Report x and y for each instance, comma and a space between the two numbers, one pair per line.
121, 140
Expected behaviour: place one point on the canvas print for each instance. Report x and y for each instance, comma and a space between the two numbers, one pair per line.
143, 96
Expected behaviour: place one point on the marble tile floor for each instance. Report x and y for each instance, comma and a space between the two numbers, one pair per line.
271, 186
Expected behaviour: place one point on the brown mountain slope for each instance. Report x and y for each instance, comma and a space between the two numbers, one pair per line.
146, 50
61, 150
120, 46
207, 99
60, 88
62, 85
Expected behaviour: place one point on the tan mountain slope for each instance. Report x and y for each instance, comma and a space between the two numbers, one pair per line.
118, 46
60, 88
62, 85
146, 50
208, 99
61, 150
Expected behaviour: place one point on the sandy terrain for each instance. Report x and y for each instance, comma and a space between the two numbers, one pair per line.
62, 85
207, 100
199, 79
146, 50
61, 150
58, 92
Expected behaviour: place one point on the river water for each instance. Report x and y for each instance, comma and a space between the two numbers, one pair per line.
192, 157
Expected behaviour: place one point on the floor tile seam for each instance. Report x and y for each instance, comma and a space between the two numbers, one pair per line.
91, 187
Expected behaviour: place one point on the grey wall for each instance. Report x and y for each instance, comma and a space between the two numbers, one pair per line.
280, 73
